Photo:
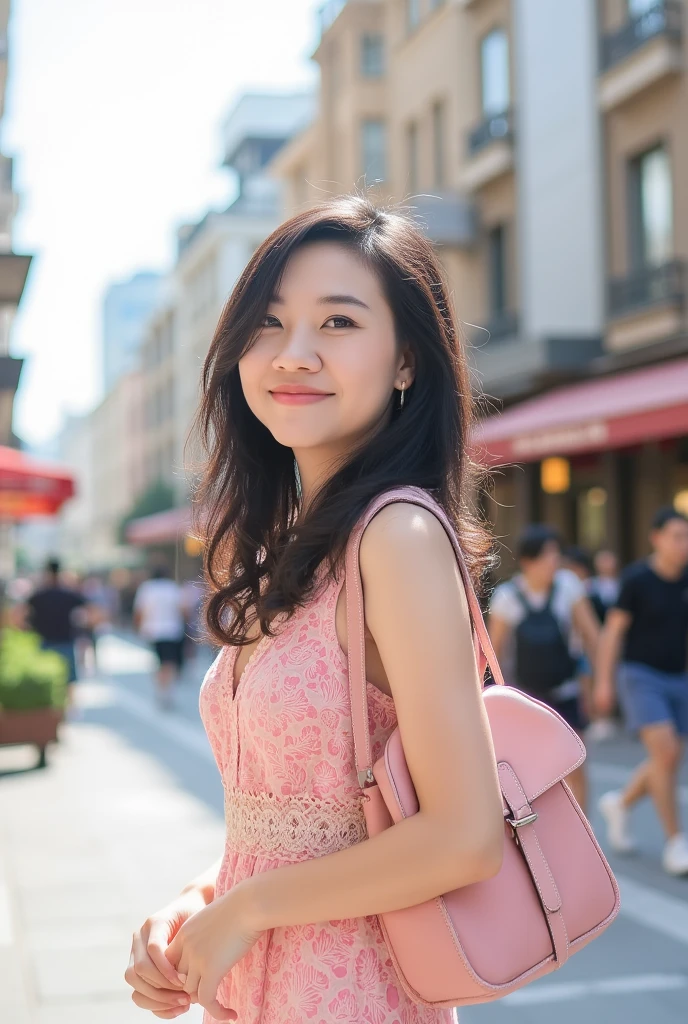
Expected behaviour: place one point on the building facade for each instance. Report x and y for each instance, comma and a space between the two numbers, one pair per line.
544, 148
127, 307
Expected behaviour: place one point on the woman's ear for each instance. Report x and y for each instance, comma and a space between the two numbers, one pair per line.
407, 365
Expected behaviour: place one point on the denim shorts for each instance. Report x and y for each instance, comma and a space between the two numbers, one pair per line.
649, 697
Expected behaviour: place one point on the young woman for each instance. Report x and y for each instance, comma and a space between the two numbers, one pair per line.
336, 373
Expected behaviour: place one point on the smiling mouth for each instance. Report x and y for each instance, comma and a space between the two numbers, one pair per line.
299, 397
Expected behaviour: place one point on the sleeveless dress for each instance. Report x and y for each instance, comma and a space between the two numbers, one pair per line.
284, 747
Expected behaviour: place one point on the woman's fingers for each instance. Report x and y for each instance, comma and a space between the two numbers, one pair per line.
157, 949
158, 1003
165, 996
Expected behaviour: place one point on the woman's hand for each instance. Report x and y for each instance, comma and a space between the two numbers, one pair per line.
208, 945
156, 984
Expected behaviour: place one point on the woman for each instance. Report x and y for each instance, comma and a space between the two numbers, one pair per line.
336, 373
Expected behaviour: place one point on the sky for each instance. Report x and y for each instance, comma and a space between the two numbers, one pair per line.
113, 114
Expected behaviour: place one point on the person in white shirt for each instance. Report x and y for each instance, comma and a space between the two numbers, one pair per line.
159, 618
537, 623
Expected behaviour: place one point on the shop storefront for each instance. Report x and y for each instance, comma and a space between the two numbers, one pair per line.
168, 536
595, 459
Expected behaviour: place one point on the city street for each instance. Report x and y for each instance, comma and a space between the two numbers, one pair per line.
130, 808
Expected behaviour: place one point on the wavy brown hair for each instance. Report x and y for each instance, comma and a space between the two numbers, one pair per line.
262, 549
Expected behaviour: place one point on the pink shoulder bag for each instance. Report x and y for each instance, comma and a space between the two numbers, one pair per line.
555, 890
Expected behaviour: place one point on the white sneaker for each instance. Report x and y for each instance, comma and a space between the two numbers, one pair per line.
675, 856
617, 820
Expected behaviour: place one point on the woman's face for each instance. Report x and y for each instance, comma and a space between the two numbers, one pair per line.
322, 370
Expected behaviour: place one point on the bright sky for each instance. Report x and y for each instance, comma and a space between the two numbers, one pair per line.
113, 111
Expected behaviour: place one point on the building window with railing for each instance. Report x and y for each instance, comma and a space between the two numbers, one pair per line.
438, 144
651, 208
655, 275
412, 156
372, 55
374, 149
645, 20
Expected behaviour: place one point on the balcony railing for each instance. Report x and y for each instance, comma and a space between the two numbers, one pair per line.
664, 18
492, 129
648, 287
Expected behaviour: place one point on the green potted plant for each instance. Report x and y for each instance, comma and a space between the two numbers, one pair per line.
33, 685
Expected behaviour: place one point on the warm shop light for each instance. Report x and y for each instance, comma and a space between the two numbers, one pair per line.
681, 502
555, 475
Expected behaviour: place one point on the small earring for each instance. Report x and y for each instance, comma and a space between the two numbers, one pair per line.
401, 402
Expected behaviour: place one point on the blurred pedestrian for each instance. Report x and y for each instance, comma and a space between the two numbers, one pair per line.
581, 562
531, 622
50, 612
159, 617
603, 588
648, 630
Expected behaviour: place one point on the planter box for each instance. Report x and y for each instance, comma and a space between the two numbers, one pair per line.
38, 726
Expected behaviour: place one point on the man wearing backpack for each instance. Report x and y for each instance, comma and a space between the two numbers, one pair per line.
647, 630
531, 620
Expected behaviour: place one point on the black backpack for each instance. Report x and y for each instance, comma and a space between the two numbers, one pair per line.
543, 659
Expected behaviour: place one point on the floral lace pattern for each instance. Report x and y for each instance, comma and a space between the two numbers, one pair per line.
283, 743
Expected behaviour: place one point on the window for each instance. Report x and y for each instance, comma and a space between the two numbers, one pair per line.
497, 259
438, 144
651, 209
494, 73
412, 156
374, 149
412, 14
372, 56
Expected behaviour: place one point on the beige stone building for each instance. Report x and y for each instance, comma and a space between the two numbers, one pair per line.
544, 146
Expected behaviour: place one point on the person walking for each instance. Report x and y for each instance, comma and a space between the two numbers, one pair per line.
50, 612
603, 588
648, 630
531, 623
337, 373
158, 616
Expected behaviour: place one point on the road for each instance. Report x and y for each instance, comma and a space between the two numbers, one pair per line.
131, 807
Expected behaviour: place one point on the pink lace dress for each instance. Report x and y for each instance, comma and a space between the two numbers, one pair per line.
284, 748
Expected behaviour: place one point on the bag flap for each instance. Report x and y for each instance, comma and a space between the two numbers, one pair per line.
539, 745
528, 735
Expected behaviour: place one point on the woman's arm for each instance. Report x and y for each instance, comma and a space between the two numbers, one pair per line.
416, 610
616, 626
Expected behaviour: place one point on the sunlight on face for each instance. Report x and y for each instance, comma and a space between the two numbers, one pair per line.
329, 330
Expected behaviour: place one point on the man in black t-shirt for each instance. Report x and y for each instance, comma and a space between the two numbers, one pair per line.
50, 612
648, 629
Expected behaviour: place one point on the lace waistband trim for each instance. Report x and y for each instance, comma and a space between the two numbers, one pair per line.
266, 825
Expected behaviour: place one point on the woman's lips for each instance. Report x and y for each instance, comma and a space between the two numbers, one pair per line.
300, 398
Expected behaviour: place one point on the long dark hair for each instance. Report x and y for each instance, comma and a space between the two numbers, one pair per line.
262, 550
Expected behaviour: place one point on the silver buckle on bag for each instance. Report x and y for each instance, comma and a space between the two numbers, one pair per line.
520, 822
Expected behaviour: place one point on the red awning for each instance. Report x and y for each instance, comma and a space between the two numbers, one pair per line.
606, 413
29, 487
160, 528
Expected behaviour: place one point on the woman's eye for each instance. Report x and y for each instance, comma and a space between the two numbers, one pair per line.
339, 321
270, 321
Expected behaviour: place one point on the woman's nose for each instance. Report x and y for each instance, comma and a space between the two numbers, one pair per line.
297, 352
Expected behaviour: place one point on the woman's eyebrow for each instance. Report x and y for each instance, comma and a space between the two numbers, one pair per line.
329, 300
342, 300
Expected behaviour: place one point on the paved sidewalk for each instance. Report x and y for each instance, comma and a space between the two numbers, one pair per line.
88, 848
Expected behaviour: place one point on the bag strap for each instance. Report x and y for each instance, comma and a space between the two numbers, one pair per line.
355, 623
